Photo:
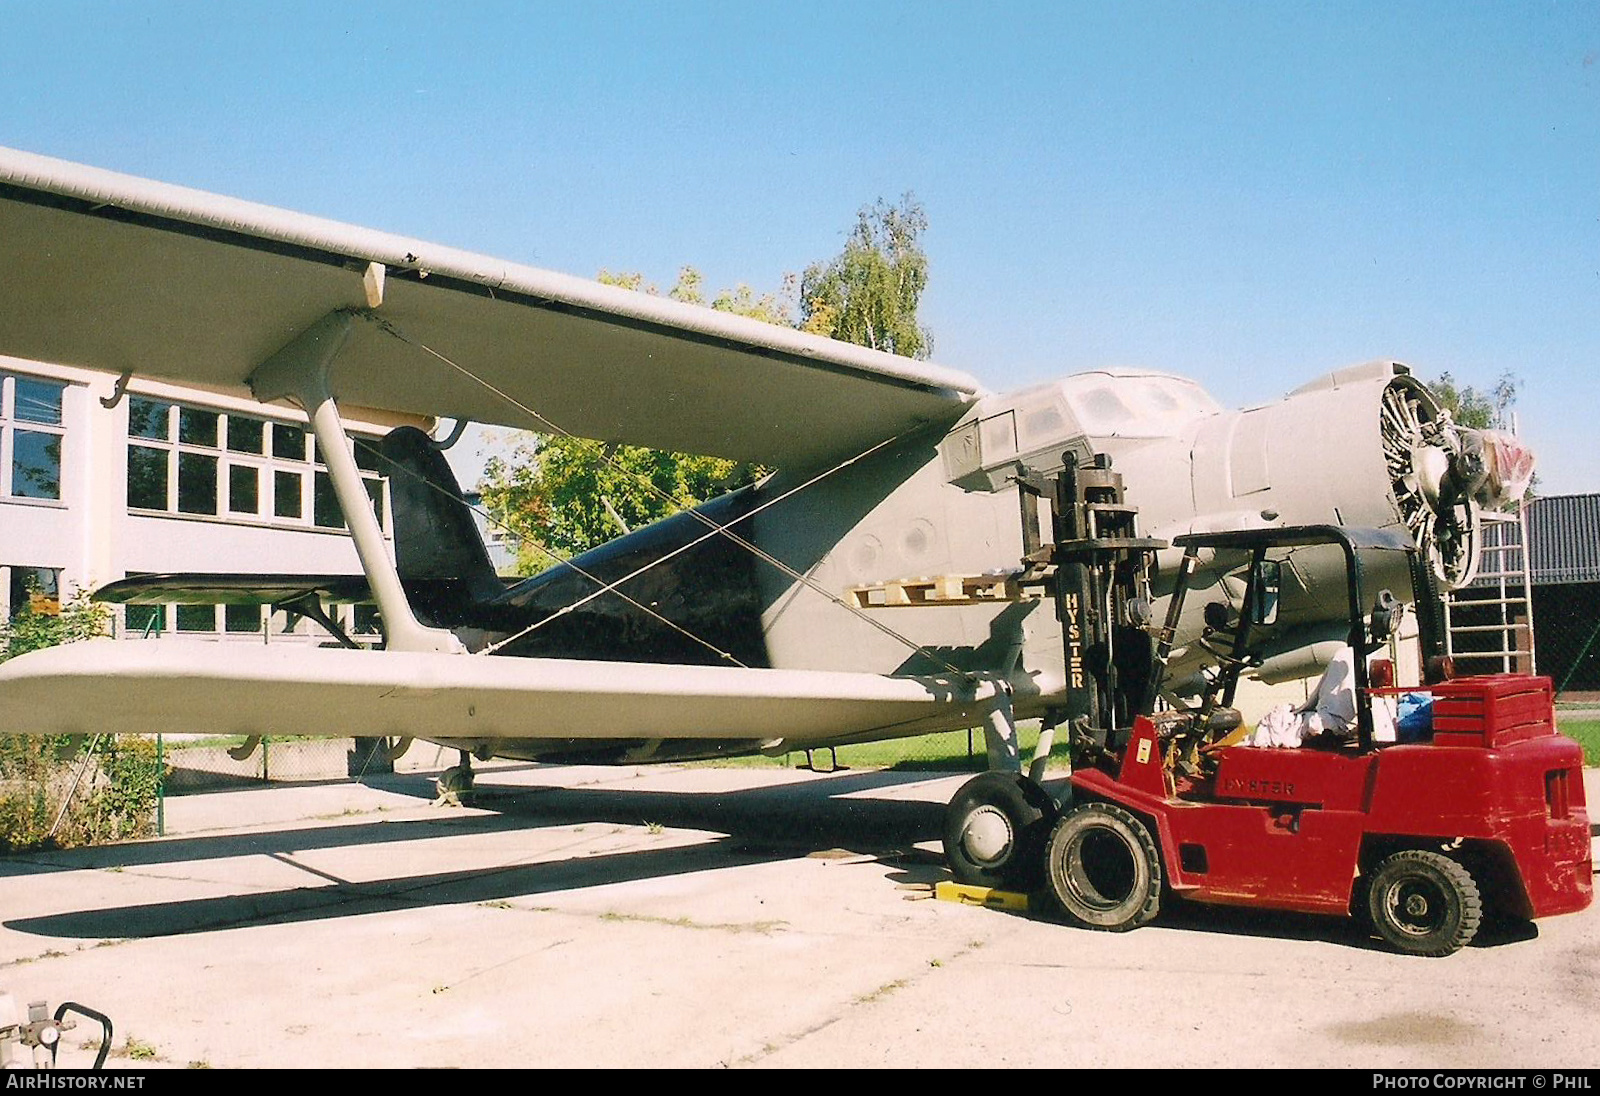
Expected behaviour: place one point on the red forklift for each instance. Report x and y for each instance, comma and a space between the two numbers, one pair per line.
1484, 817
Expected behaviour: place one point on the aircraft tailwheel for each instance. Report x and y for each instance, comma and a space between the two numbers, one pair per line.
1104, 868
995, 831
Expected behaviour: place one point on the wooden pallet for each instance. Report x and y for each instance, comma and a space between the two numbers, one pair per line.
938, 590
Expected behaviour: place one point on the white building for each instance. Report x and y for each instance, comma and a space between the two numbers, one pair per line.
99, 481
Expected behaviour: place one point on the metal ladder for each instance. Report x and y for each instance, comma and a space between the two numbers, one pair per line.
1489, 624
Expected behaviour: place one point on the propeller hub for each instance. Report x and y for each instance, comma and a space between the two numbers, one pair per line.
1429, 465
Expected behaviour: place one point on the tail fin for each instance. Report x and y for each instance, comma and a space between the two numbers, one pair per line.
435, 538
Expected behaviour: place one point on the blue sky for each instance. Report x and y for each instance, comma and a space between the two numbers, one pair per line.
1245, 193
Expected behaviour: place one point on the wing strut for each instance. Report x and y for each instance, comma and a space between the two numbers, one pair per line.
299, 371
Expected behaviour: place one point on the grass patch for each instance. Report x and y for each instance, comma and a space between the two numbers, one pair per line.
1587, 732
946, 751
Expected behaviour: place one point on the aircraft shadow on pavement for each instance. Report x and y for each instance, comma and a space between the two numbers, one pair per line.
757, 825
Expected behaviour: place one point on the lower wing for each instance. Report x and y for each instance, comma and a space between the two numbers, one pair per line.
108, 686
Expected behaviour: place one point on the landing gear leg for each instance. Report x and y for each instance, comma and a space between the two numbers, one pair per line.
1000, 737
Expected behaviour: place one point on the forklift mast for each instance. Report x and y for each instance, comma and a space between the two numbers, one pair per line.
1101, 570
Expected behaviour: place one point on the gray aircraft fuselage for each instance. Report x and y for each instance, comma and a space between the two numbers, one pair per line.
944, 502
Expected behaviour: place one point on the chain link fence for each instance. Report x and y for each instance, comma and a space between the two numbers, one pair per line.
1566, 628
200, 763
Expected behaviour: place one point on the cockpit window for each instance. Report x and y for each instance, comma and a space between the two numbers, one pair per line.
1042, 426
1136, 406
1101, 410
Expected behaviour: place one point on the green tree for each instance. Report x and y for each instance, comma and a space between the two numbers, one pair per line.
869, 293
1476, 409
561, 496
1479, 410
79, 618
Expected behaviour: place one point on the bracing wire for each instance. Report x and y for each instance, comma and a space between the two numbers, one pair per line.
411, 474
599, 453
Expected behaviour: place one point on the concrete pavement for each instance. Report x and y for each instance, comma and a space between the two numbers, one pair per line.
707, 917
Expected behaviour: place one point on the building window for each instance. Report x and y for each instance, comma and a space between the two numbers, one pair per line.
144, 620
242, 618
35, 590
31, 429
218, 464
197, 618
364, 620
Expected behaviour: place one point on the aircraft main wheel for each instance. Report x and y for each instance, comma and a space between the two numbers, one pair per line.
1104, 868
1424, 903
995, 829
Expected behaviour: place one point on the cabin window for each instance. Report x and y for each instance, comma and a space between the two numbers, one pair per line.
998, 437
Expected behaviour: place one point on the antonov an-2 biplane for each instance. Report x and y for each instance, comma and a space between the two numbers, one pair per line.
874, 587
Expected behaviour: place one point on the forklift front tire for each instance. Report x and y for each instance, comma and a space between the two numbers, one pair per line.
1424, 903
995, 830
1104, 868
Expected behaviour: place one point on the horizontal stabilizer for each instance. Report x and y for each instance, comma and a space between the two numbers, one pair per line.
229, 589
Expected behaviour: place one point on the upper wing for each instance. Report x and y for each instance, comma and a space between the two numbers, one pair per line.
119, 273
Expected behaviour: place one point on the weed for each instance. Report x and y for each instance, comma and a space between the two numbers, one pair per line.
881, 992
138, 1049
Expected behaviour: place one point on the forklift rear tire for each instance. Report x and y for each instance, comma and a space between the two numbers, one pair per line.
1104, 868
1424, 903
995, 831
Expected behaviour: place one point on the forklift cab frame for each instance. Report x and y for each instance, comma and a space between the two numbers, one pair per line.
1368, 629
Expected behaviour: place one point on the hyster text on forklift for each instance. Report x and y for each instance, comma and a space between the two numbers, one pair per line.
1485, 818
